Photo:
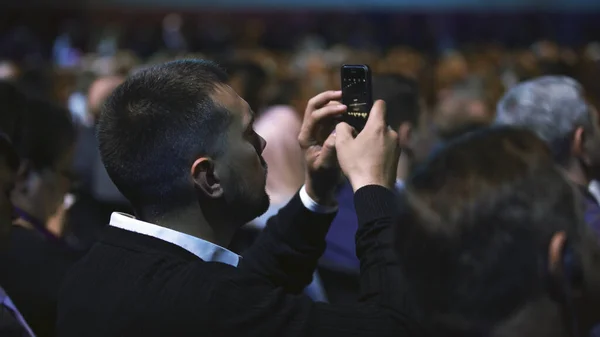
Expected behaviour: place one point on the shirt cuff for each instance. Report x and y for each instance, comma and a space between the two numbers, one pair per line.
312, 205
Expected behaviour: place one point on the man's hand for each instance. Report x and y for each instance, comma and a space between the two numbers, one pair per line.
318, 142
370, 158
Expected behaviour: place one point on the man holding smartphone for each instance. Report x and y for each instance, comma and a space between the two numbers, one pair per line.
179, 144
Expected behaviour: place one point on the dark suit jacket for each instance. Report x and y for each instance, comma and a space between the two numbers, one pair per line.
31, 272
135, 285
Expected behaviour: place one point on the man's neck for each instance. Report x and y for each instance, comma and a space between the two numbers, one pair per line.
193, 222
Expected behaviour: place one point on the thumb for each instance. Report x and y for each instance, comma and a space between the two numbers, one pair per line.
377, 115
343, 134
328, 149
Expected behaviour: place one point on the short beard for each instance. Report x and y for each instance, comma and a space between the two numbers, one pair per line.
244, 206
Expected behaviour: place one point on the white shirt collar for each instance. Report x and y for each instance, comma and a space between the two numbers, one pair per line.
594, 189
205, 250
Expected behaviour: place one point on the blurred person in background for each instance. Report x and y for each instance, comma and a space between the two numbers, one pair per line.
280, 127
458, 112
37, 257
179, 144
64, 52
459, 106
249, 79
173, 37
339, 266
77, 101
555, 109
493, 241
12, 102
9, 71
97, 195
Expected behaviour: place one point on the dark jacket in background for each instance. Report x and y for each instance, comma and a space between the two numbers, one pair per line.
136, 285
32, 271
592, 210
97, 196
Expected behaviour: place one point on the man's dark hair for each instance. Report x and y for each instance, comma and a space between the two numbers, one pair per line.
401, 96
47, 133
155, 125
458, 130
474, 238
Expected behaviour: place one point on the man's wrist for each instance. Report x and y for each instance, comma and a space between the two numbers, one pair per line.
362, 182
320, 195
313, 206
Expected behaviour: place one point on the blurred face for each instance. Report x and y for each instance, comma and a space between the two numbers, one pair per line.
242, 171
42, 192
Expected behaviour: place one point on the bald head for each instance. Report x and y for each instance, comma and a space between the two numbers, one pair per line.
99, 92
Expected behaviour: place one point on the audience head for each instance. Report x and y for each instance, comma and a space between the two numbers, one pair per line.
459, 108
280, 127
555, 109
99, 92
8, 70
248, 79
46, 150
175, 137
12, 107
401, 96
497, 244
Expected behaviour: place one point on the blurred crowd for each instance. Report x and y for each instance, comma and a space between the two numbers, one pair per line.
63, 190
290, 57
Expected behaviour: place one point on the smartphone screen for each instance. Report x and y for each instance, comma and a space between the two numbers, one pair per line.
357, 94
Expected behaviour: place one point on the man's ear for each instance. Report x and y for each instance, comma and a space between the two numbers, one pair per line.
556, 253
205, 178
578, 144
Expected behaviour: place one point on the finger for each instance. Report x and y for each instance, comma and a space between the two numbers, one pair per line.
318, 120
334, 103
323, 98
343, 134
376, 116
328, 111
328, 149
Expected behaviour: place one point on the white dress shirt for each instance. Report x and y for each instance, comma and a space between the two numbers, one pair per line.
205, 250
594, 189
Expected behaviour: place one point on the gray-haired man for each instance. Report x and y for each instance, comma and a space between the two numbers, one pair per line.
555, 109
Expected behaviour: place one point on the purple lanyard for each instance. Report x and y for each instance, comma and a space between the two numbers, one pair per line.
7, 302
39, 226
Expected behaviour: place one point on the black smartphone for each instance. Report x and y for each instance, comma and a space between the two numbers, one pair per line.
357, 94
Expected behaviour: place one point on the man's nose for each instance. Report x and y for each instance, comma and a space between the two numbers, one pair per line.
263, 144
